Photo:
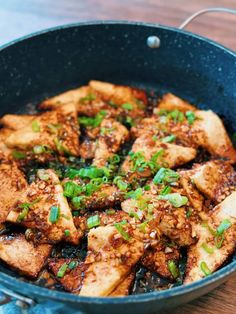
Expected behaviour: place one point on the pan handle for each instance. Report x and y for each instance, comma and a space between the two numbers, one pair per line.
22, 301
204, 11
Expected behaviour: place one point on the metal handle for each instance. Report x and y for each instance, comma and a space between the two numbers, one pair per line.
22, 301
201, 12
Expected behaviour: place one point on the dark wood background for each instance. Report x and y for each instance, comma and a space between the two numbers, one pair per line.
20, 17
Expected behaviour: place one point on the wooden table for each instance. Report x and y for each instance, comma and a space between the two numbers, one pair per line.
19, 17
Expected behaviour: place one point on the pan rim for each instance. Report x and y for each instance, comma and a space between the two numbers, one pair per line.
42, 292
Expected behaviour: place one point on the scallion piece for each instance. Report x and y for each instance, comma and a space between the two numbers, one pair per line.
168, 139
23, 214
35, 126
89, 97
191, 117
93, 221
205, 269
134, 194
121, 231
62, 270
114, 159
143, 226
67, 233
225, 224
77, 201
53, 128
175, 199
72, 189
173, 269
219, 239
93, 122
39, 149
43, 175
165, 190
133, 214
147, 188
72, 264
166, 175
127, 106
18, 155
54, 214
207, 248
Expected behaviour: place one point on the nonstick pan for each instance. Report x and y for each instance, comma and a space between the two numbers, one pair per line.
133, 53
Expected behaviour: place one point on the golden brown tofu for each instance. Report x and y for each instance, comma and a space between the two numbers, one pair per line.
164, 217
171, 102
216, 241
22, 255
110, 260
120, 95
168, 155
4, 134
124, 287
72, 96
214, 179
194, 197
12, 185
157, 258
43, 207
87, 149
57, 130
16, 121
209, 132
113, 134
73, 277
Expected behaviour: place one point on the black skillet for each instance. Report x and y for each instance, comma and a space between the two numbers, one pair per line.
140, 54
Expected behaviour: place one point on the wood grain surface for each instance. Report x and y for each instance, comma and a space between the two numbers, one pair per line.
20, 17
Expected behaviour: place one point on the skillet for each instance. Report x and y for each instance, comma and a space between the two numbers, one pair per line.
132, 53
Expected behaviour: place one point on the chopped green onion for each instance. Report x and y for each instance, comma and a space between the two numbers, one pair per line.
173, 269
72, 189
130, 121
225, 224
62, 270
143, 226
35, 126
43, 175
154, 138
60, 147
18, 155
93, 122
207, 248
168, 139
176, 115
121, 231
53, 128
110, 211
23, 214
219, 239
165, 190
89, 97
127, 106
134, 194
54, 214
67, 233
147, 188
135, 215
175, 199
90, 172
77, 201
189, 213
72, 264
114, 159
93, 221
191, 117
166, 175
205, 269
75, 213
39, 149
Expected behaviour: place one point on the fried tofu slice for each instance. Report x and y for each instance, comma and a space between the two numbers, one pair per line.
57, 130
171, 102
124, 287
73, 277
4, 134
167, 154
209, 132
215, 179
22, 255
119, 94
195, 198
16, 121
110, 260
157, 259
87, 149
72, 96
12, 185
34, 210
216, 241
113, 134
